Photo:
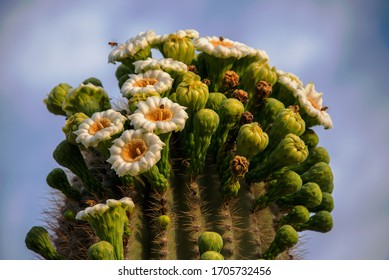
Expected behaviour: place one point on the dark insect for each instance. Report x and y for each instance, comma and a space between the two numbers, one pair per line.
113, 44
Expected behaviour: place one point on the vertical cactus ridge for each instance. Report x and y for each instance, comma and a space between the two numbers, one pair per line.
213, 155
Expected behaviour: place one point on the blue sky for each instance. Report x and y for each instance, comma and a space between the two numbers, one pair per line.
343, 46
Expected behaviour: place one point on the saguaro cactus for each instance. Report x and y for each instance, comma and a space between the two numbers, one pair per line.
212, 156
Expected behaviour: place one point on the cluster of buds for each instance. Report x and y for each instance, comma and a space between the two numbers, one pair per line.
211, 156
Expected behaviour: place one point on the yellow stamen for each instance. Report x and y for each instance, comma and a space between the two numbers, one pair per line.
134, 150
314, 103
145, 82
99, 125
159, 114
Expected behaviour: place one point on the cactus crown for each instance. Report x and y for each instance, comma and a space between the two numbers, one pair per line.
214, 156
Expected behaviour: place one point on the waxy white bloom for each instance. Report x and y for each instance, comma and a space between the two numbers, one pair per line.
100, 209
311, 102
223, 48
159, 115
289, 80
164, 64
101, 126
187, 33
151, 81
132, 46
135, 152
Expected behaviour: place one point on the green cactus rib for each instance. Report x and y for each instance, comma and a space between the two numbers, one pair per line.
239, 179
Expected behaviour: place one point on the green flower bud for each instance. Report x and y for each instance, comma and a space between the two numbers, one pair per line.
297, 215
163, 222
123, 70
87, 99
108, 220
55, 99
210, 241
179, 48
93, 81
134, 100
280, 185
230, 112
286, 237
321, 174
71, 125
57, 179
205, 123
214, 100
290, 151
327, 203
287, 121
316, 154
251, 140
310, 138
320, 222
102, 250
69, 215
268, 111
69, 156
37, 240
309, 196
257, 72
211, 255
192, 94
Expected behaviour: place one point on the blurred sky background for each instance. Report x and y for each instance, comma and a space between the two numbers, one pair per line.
343, 46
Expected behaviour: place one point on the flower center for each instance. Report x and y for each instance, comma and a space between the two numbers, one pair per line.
145, 82
313, 103
159, 114
221, 42
99, 125
134, 150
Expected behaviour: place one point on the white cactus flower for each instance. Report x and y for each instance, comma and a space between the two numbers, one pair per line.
223, 48
187, 33
164, 64
151, 81
311, 102
159, 115
101, 126
132, 46
135, 152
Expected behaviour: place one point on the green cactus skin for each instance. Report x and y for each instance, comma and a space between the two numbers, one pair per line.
240, 181
102, 250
